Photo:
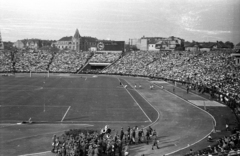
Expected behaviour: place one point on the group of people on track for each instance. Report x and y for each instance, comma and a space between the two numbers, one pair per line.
103, 143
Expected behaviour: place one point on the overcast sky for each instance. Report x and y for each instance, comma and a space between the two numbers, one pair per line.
199, 20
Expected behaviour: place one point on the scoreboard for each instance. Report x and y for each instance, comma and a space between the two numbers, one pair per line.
110, 46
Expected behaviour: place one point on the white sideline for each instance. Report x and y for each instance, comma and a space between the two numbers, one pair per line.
198, 108
65, 113
136, 103
107, 121
147, 102
31, 106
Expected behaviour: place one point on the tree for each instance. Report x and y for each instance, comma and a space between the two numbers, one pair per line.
229, 44
8, 45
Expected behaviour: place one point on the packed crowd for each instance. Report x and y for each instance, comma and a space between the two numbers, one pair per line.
32, 61
68, 61
133, 63
5, 62
105, 142
215, 69
42, 61
228, 145
105, 57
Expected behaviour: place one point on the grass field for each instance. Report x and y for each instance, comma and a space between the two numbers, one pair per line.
61, 99
66, 102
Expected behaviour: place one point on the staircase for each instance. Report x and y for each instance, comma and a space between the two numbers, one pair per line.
86, 64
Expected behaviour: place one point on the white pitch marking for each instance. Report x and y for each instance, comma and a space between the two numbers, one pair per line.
136, 103
107, 121
146, 101
65, 113
35, 153
30, 106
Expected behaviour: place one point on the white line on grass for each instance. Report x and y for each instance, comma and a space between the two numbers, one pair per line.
108, 121
198, 108
65, 113
35, 153
136, 103
30, 106
146, 101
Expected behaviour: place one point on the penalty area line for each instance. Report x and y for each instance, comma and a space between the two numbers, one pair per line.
65, 113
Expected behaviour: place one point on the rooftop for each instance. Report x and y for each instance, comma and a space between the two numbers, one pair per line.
66, 38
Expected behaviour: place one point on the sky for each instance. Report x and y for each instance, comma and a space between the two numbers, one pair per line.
198, 20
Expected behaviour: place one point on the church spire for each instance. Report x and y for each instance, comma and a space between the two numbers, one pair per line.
77, 35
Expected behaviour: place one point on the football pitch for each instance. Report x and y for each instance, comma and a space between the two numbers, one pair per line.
63, 99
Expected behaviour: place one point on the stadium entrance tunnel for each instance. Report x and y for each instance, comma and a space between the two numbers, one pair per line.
95, 67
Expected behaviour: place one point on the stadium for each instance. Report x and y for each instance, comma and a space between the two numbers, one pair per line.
59, 103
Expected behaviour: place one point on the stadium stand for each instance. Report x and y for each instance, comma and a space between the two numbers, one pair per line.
5, 62
32, 61
104, 57
68, 61
133, 63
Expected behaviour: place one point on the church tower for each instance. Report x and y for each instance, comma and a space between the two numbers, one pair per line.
76, 41
1, 42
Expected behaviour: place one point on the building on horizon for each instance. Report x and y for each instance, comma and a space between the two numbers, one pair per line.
70, 42
76, 42
206, 46
87, 43
157, 43
1, 42
32, 44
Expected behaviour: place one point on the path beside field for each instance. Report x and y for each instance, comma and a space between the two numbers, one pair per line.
180, 124
222, 114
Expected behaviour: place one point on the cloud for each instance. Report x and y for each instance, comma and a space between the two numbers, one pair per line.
210, 32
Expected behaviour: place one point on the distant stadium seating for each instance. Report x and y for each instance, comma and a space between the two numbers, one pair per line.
5, 62
68, 61
32, 61
104, 57
134, 63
